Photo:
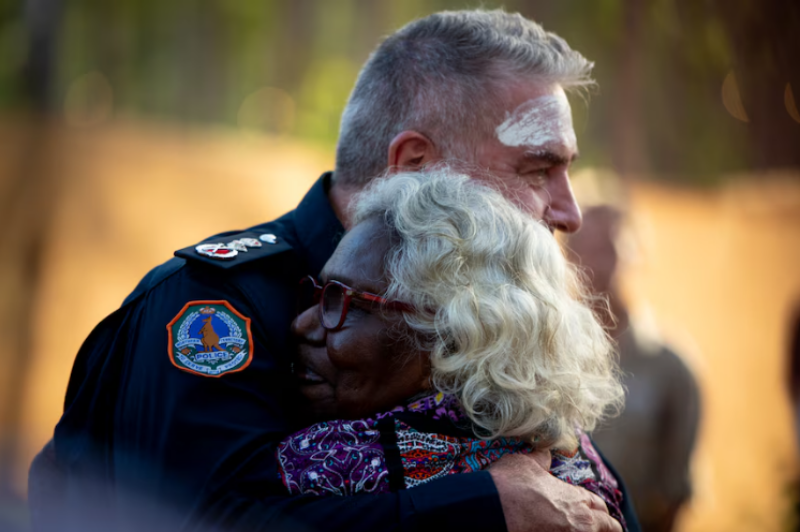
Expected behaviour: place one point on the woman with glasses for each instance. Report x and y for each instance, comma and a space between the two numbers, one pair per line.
446, 331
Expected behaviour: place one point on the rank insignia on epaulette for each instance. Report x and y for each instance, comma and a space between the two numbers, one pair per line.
238, 246
235, 249
210, 338
229, 250
217, 251
249, 242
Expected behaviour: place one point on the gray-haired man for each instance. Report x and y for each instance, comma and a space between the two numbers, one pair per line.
144, 420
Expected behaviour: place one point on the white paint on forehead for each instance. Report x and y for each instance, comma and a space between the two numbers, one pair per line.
539, 121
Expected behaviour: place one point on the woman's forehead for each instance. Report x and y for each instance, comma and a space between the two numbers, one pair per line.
359, 259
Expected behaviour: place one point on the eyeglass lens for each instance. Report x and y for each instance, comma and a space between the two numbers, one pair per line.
332, 305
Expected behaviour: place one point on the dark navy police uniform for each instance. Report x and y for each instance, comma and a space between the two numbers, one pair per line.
148, 438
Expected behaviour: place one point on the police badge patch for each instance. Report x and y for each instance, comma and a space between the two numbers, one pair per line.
210, 338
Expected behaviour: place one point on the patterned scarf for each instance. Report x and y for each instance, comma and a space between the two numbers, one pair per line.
413, 444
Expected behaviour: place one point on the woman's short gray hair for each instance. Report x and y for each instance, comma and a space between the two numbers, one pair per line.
443, 76
500, 310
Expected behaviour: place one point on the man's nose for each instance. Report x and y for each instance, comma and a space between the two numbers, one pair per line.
563, 213
307, 328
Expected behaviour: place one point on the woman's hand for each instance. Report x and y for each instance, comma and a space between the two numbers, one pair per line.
535, 501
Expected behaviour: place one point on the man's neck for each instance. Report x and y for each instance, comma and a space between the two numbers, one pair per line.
340, 197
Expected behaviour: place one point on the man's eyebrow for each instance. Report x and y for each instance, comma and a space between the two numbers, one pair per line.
550, 157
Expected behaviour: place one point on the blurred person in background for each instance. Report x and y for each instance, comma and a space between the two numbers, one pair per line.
651, 442
794, 366
177, 400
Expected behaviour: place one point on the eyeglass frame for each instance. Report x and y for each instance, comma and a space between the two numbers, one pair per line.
349, 294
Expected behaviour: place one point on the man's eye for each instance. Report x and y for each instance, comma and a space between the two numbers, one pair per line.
536, 177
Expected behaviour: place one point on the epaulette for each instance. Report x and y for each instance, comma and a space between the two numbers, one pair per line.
229, 250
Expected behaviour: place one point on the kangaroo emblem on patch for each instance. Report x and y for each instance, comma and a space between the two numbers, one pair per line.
210, 338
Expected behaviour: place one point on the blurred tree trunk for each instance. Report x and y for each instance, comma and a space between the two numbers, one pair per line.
296, 36
27, 213
628, 150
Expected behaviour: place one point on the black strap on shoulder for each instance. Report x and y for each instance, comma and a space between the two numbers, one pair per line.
388, 440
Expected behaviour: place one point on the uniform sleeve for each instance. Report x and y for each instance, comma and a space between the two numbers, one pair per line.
456, 502
182, 447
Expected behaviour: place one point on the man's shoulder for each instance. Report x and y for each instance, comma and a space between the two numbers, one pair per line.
223, 257
234, 249
247, 308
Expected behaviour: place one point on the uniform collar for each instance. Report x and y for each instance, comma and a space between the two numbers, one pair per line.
318, 229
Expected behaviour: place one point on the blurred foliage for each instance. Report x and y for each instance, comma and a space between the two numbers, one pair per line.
660, 68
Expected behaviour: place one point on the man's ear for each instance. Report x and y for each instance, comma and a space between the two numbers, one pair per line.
411, 150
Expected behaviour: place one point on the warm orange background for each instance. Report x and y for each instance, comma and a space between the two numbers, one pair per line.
717, 269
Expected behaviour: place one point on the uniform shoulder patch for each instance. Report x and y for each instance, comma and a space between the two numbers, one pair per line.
210, 338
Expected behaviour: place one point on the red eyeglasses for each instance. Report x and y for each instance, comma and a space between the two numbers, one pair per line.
334, 301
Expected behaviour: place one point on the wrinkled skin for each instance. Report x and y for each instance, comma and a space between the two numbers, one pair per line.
535, 173
533, 500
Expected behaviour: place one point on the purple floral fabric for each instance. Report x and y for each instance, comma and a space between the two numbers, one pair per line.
334, 458
348, 457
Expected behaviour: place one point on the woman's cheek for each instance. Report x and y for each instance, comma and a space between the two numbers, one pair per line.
353, 396
348, 351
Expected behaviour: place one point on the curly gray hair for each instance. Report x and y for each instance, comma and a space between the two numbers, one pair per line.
500, 310
444, 76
